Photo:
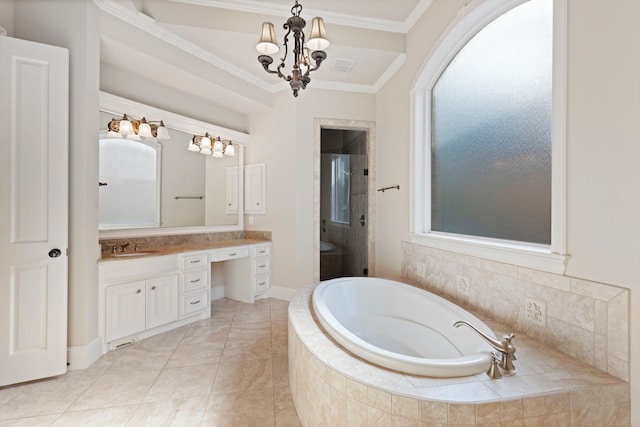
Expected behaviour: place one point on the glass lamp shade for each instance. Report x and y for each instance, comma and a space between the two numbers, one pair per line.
193, 146
217, 154
112, 134
144, 129
126, 128
134, 137
218, 147
318, 37
205, 145
267, 44
162, 132
230, 150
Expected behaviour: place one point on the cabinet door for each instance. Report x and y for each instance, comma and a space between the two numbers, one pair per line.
232, 190
162, 300
126, 309
254, 189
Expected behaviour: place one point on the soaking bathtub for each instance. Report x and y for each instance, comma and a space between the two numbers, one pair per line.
401, 327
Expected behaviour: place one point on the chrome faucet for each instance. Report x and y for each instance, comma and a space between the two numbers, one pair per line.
505, 347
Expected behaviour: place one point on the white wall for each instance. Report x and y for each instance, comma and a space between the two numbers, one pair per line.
48, 22
283, 139
603, 230
6, 16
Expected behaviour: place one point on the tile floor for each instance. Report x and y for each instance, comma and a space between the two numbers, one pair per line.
230, 370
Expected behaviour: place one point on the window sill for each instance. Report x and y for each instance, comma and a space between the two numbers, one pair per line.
537, 257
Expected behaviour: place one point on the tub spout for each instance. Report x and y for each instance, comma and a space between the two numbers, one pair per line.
505, 347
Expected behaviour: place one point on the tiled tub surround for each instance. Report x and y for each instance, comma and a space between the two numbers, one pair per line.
184, 242
585, 320
330, 386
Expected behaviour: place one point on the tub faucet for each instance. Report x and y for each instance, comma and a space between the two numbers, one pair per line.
505, 347
124, 246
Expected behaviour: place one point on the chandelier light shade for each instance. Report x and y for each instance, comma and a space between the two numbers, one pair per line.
209, 146
303, 63
137, 129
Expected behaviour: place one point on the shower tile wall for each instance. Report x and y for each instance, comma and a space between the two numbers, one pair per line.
586, 320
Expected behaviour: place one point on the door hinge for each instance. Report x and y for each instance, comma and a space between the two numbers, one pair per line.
366, 172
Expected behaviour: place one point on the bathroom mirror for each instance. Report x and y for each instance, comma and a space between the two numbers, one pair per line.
154, 187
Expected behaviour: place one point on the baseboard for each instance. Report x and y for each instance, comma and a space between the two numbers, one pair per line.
84, 356
280, 292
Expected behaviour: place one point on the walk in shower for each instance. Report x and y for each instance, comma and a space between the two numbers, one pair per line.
343, 203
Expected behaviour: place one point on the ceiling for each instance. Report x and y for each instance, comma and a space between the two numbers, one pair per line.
206, 48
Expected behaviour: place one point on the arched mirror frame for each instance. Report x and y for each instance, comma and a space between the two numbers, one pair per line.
117, 106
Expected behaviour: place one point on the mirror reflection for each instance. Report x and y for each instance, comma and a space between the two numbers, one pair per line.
160, 183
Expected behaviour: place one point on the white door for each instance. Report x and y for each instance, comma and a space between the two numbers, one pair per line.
34, 114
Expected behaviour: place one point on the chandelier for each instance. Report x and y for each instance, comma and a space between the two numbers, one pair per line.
303, 63
136, 129
210, 146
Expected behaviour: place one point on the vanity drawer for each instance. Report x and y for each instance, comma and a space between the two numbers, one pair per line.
262, 265
231, 253
194, 261
261, 283
194, 302
263, 250
196, 279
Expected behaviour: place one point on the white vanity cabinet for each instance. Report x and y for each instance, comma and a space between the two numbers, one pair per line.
146, 295
260, 268
140, 297
249, 281
145, 304
194, 294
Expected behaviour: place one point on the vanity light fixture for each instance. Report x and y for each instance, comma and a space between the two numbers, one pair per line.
137, 129
303, 63
210, 146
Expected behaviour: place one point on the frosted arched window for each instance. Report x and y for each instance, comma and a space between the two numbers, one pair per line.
491, 131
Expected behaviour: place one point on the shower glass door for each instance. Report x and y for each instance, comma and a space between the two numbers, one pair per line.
343, 203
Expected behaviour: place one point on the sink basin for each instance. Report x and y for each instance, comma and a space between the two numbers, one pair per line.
132, 254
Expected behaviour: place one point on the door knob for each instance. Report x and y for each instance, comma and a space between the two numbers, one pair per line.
55, 253
362, 220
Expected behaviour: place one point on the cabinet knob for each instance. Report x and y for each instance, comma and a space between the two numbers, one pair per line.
195, 302
195, 281
138, 291
153, 288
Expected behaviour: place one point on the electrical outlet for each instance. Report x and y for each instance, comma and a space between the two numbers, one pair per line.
535, 312
462, 284
421, 269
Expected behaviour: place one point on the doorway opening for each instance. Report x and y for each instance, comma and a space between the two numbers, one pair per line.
344, 203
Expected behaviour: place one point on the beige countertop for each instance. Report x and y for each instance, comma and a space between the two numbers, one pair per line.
144, 251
